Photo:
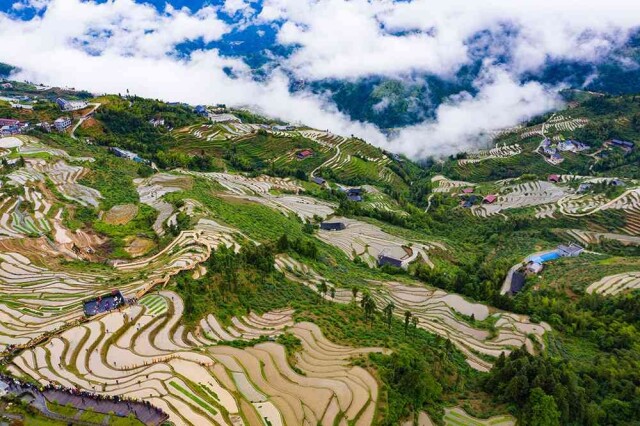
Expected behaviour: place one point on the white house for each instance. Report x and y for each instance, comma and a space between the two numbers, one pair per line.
62, 123
66, 105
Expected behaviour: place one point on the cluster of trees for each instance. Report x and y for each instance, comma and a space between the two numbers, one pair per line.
303, 246
550, 392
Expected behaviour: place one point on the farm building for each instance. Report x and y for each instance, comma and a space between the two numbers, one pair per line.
571, 250
200, 110
304, 154
554, 178
318, 180
333, 226
105, 303
391, 261
157, 122
490, 199
7, 85
62, 123
467, 191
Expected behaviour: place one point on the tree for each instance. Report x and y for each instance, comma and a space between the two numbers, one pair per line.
388, 313
333, 292
407, 318
541, 410
354, 291
369, 306
323, 288
415, 320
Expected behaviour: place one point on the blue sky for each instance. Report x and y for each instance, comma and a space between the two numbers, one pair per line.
252, 52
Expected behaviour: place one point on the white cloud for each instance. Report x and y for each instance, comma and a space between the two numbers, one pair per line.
356, 38
120, 44
463, 122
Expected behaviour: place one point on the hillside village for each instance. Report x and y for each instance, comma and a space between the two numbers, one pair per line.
195, 264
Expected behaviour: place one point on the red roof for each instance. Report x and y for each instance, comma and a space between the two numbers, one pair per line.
9, 122
490, 198
468, 190
554, 178
305, 153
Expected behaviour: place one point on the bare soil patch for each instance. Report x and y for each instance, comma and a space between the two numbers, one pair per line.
139, 246
120, 214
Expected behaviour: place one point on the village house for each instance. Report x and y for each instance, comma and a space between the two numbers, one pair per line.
625, 145
223, 118
566, 146
201, 110
583, 187
333, 226
304, 154
355, 194
391, 261
572, 250
6, 86
287, 128
157, 122
62, 123
554, 178
490, 199
556, 158
469, 202
123, 153
66, 105
10, 126
318, 180
535, 267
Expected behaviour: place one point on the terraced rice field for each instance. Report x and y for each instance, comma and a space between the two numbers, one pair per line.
36, 300
259, 189
439, 312
368, 242
459, 417
522, 195
64, 177
585, 205
31, 145
144, 354
503, 151
152, 189
561, 123
590, 237
446, 185
615, 284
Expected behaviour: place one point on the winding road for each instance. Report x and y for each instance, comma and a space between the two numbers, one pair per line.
83, 118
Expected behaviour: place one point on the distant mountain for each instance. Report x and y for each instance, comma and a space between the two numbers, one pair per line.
5, 70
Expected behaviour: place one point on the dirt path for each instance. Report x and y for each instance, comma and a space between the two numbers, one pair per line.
337, 155
83, 118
